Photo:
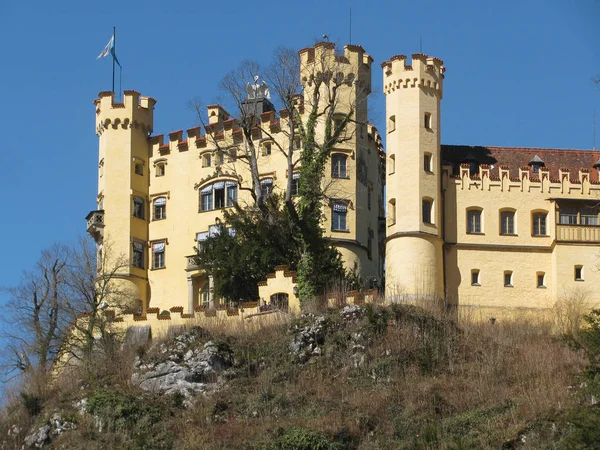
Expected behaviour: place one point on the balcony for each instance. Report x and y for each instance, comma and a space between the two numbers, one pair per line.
577, 233
95, 224
191, 263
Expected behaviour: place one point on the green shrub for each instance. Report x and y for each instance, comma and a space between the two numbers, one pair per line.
33, 403
297, 438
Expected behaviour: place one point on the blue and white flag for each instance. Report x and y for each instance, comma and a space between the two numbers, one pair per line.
108, 49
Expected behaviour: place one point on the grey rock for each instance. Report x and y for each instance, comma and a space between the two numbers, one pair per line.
38, 438
185, 367
308, 338
352, 313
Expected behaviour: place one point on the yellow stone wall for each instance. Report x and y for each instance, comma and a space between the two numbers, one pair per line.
524, 254
413, 248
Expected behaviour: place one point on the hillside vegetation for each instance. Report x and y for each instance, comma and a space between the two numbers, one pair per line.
368, 377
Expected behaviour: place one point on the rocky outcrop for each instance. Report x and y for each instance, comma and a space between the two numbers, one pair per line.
184, 366
43, 435
309, 335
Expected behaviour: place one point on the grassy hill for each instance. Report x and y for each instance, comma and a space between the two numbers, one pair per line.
355, 378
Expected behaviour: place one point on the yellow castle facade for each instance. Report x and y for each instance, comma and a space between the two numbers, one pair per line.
476, 226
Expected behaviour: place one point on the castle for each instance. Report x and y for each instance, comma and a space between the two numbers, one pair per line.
477, 226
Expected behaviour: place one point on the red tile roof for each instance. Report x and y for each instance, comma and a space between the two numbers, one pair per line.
514, 158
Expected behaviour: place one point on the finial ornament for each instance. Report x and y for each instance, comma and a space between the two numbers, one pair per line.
258, 90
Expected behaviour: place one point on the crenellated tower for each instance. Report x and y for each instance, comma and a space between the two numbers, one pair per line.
414, 243
120, 223
353, 185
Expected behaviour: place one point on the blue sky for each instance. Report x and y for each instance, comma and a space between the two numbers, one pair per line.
518, 74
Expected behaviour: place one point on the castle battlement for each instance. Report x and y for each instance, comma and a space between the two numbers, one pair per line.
424, 72
567, 182
354, 65
135, 111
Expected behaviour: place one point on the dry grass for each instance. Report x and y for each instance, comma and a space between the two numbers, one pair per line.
422, 382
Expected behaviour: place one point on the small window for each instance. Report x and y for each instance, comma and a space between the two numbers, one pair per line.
508, 281
232, 189
338, 217
541, 282
391, 124
220, 158
391, 164
337, 123
475, 277
507, 222
535, 169
158, 255
160, 170
428, 121
427, 162
139, 169
266, 188
578, 273
369, 199
370, 235
138, 255
160, 208
539, 224
206, 160
138, 207
338, 166
297, 144
474, 221
295, 184
391, 212
426, 210
206, 199
266, 148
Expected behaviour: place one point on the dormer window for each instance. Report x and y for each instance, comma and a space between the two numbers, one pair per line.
536, 163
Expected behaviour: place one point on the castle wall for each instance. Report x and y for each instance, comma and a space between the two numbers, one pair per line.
522, 252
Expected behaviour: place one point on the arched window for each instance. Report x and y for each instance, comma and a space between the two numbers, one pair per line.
427, 162
474, 222
158, 255
391, 164
427, 210
338, 166
391, 211
279, 301
391, 124
220, 194
339, 211
160, 208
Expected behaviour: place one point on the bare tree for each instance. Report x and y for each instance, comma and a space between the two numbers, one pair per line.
96, 290
35, 314
319, 101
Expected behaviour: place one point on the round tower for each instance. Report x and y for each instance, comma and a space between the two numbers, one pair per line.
414, 245
120, 223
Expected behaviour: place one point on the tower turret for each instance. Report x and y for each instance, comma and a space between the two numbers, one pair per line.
120, 223
414, 245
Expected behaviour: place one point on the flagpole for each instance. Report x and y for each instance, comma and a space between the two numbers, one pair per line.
114, 52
